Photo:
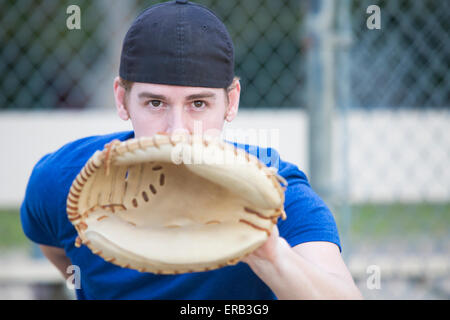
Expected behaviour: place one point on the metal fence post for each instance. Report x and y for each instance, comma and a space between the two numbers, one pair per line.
320, 94
343, 98
115, 25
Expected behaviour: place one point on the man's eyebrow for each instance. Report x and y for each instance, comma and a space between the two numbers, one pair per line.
150, 95
201, 95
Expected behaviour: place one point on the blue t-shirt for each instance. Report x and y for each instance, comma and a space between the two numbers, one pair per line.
44, 221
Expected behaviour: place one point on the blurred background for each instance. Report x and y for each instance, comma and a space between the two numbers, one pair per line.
364, 112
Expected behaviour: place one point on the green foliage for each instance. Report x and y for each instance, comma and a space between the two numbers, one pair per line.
368, 221
402, 220
11, 234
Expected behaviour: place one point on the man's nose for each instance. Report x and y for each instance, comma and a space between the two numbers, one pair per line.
177, 121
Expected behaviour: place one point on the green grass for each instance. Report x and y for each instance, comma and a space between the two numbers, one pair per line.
397, 220
367, 221
11, 234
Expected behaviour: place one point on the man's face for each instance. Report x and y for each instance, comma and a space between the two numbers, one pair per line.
157, 108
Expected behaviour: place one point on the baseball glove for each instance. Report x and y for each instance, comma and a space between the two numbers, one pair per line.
174, 204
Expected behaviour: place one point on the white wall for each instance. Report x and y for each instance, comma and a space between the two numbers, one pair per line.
402, 156
26, 137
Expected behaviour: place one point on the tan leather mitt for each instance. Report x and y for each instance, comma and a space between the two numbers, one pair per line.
174, 204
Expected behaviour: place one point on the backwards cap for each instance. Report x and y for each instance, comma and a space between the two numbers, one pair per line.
178, 43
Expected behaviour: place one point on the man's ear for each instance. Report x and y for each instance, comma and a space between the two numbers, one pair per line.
119, 97
233, 101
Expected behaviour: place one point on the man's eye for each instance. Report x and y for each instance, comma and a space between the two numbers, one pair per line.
155, 103
198, 104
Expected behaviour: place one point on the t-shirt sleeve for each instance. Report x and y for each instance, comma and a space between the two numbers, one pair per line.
38, 207
308, 217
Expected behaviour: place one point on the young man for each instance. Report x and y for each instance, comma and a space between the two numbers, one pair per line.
177, 72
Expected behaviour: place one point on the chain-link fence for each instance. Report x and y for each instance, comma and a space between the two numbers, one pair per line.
58, 68
392, 135
380, 121
406, 62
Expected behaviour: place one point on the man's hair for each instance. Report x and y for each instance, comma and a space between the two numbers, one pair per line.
127, 85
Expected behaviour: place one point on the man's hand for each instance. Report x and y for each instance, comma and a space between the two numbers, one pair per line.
311, 270
268, 252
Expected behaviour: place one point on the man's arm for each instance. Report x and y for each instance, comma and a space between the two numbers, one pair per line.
58, 257
312, 270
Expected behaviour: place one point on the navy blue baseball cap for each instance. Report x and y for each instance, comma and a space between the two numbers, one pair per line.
178, 43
